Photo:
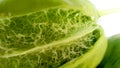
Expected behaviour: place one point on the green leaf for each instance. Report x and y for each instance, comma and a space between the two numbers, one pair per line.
112, 57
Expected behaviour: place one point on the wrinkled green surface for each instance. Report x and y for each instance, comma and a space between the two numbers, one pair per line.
112, 55
35, 39
50, 37
42, 27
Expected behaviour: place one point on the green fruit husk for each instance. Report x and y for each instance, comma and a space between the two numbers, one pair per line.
92, 58
52, 37
10, 8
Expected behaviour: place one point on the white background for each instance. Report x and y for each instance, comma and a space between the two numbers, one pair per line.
109, 22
